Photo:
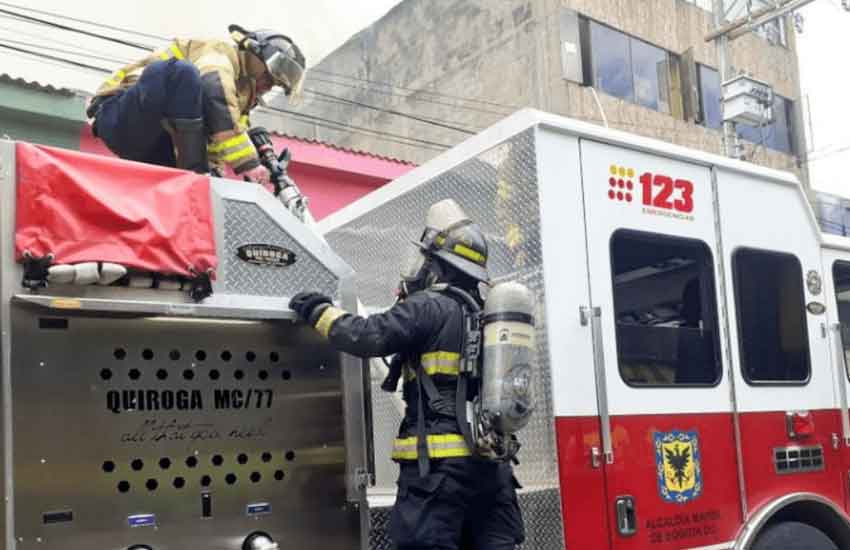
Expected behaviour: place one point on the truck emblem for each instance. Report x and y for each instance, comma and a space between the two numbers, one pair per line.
620, 183
266, 254
678, 466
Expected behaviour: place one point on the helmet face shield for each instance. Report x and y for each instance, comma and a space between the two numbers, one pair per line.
286, 72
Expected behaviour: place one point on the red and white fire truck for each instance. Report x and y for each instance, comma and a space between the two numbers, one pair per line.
692, 381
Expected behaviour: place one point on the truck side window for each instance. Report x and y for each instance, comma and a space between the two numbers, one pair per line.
666, 316
841, 277
772, 331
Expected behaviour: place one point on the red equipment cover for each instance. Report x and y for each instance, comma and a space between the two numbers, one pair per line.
88, 208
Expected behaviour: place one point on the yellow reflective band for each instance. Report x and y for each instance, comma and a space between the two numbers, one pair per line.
244, 121
469, 254
242, 153
228, 143
441, 362
439, 446
326, 321
117, 78
175, 51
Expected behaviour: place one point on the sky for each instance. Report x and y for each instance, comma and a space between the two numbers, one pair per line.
319, 26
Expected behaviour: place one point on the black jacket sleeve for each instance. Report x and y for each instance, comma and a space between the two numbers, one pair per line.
400, 328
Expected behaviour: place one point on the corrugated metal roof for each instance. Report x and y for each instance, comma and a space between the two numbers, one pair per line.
343, 149
38, 86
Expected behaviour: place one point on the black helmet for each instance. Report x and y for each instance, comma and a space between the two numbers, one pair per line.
453, 238
284, 60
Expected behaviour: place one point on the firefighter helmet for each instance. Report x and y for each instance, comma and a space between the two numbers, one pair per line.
282, 57
452, 237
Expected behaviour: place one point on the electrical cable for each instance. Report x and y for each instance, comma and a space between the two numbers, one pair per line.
56, 42
409, 97
54, 58
78, 31
344, 104
85, 21
392, 112
60, 50
360, 128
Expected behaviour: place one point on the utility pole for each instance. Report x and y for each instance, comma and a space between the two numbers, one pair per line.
730, 136
724, 33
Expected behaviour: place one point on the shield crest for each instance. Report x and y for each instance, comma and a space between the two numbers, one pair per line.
678, 466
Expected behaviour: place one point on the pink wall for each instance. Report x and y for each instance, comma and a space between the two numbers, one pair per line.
331, 177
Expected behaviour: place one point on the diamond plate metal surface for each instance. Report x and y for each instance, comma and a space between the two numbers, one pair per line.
541, 511
246, 223
498, 189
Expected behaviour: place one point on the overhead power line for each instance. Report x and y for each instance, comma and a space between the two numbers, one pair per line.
61, 50
375, 135
345, 104
54, 58
416, 90
359, 128
84, 21
392, 112
76, 30
311, 77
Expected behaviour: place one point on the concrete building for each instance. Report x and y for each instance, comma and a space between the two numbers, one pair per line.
463, 64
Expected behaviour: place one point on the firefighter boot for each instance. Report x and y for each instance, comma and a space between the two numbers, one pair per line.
190, 142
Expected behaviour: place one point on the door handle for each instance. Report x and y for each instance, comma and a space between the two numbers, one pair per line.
626, 515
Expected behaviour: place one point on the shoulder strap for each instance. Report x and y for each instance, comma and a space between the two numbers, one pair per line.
471, 355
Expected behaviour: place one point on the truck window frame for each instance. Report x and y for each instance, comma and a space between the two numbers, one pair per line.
736, 278
709, 302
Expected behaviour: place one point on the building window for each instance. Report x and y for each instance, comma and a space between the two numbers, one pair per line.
709, 91
778, 135
629, 68
772, 330
664, 301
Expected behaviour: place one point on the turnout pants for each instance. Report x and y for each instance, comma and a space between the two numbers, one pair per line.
130, 123
462, 504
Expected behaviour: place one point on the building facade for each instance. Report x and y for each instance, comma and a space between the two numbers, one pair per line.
40, 113
641, 65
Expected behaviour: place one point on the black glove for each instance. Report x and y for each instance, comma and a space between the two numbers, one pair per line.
304, 303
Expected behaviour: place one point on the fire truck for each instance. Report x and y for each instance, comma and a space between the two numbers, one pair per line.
690, 383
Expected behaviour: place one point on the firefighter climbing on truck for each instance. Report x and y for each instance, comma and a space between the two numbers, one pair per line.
188, 105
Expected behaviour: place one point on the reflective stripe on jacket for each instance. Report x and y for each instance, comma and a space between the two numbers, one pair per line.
426, 328
229, 95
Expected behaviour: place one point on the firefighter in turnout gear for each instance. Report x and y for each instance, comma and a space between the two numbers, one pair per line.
188, 105
448, 497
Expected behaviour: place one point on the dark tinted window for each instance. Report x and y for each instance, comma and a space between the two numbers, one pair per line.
630, 69
664, 303
709, 86
651, 67
841, 279
612, 64
772, 327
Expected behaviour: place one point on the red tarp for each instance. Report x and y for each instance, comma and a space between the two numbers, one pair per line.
87, 208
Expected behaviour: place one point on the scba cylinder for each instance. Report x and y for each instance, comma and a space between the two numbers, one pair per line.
509, 353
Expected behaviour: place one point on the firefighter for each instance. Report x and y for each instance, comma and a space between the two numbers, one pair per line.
448, 498
188, 105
